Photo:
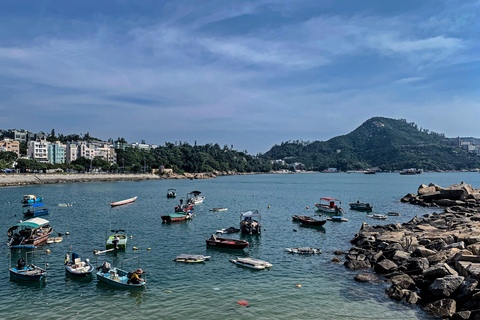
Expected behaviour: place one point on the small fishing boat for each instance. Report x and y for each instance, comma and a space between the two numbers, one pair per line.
54, 239
218, 209
250, 222
34, 209
77, 267
369, 171
117, 237
309, 221
195, 198
118, 277
174, 217
191, 258
377, 216
29, 233
30, 198
228, 230
393, 214
360, 206
330, 207
337, 219
225, 243
119, 203
304, 250
171, 193
252, 263
27, 272
184, 207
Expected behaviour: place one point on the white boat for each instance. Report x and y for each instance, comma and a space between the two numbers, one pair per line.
251, 263
194, 197
219, 209
119, 203
330, 207
191, 258
377, 216
304, 250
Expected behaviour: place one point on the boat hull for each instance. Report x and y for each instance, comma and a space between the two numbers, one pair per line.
118, 279
175, 217
36, 213
227, 243
361, 206
121, 245
312, 222
120, 203
28, 273
79, 272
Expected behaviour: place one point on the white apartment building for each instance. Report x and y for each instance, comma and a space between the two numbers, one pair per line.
38, 150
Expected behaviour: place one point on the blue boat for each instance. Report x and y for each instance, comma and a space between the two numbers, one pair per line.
30, 198
77, 267
34, 210
27, 272
118, 277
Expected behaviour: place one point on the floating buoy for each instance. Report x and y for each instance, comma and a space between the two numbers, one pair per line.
294, 230
243, 303
268, 207
149, 248
47, 251
298, 285
131, 237
308, 208
67, 233
47, 264
134, 248
83, 199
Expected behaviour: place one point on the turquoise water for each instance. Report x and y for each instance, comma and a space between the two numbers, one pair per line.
211, 290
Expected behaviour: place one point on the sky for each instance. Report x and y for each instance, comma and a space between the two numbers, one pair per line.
245, 73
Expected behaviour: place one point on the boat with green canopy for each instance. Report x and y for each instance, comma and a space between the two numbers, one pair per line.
29, 233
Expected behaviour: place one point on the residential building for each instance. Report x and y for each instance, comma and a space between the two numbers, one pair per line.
56, 152
71, 153
38, 150
16, 135
10, 145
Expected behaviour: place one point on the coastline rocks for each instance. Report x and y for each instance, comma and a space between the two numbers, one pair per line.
444, 287
442, 308
438, 271
365, 277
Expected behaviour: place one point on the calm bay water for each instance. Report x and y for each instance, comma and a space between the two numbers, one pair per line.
210, 290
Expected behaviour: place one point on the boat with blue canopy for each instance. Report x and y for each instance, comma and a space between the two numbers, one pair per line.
27, 271
30, 198
35, 209
29, 233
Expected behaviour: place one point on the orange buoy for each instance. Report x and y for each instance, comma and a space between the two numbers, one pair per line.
307, 208
298, 285
243, 303
268, 207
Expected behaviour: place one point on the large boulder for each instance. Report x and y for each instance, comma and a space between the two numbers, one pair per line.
403, 281
442, 308
457, 191
397, 293
439, 270
444, 287
385, 266
423, 189
356, 264
421, 251
467, 287
365, 277
417, 265
429, 197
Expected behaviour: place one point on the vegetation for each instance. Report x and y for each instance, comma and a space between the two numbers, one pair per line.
385, 143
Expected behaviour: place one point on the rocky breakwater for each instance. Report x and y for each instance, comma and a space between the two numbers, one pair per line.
29, 179
458, 196
430, 261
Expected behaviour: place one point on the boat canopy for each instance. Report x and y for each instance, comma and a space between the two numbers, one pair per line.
34, 205
251, 213
33, 223
329, 199
195, 193
29, 196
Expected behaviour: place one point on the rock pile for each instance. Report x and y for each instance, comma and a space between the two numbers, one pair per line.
457, 195
419, 258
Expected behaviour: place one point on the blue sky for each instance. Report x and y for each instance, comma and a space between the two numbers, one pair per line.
247, 73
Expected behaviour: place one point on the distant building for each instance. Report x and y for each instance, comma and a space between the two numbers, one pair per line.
279, 161
56, 153
16, 135
10, 145
38, 150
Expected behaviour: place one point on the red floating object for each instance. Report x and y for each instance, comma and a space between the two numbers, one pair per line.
243, 303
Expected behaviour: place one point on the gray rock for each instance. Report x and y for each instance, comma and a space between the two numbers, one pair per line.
400, 256
438, 271
385, 266
336, 260
442, 308
417, 265
365, 277
436, 245
444, 287
423, 252
377, 257
403, 281
423, 189
355, 265
473, 239
467, 287
462, 315
457, 245
429, 197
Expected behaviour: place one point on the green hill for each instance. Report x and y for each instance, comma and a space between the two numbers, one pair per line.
385, 143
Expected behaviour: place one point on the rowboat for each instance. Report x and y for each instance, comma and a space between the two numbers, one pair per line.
27, 271
297, 218
225, 243
191, 258
337, 219
331, 207
309, 221
393, 213
34, 209
30, 198
77, 267
174, 217
250, 222
377, 216
117, 237
304, 250
360, 206
252, 263
29, 233
118, 278
218, 209
119, 203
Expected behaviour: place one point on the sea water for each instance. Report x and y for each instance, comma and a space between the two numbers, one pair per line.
296, 287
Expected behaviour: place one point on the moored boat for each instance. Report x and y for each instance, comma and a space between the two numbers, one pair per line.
218, 209
122, 202
377, 216
195, 198
77, 267
250, 222
118, 277
174, 217
297, 218
27, 272
191, 258
360, 206
393, 214
309, 221
184, 207
30, 198
337, 219
330, 207
171, 193
226, 243
29, 233
117, 237
304, 250
252, 263
34, 209
228, 230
